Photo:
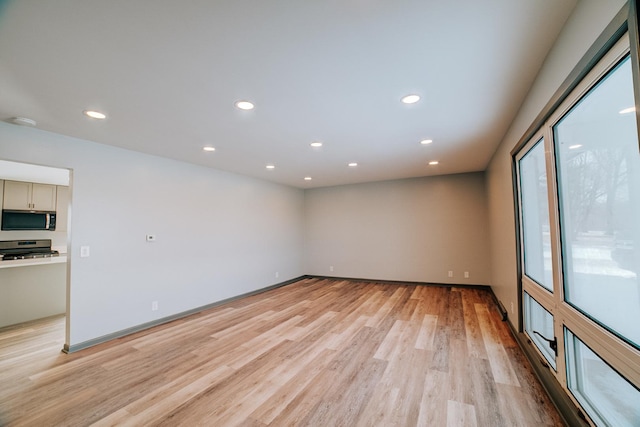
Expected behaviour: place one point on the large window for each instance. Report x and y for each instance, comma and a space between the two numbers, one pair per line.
535, 216
606, 395
596, 145
578, 184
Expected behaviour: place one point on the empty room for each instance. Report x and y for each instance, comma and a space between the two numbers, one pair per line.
357, 213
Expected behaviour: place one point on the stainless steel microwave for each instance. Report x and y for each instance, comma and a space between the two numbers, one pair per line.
28, 220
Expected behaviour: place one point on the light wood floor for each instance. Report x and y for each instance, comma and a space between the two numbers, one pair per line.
314, 353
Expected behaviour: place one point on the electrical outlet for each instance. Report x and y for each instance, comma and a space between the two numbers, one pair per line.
466, 274
154, 305
512, 310
331, 268
450, 274
277, 274
84, 251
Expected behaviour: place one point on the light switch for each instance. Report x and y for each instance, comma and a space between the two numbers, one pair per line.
84, 251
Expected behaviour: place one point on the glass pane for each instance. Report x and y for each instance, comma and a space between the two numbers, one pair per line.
606, 396
599, 187
536, 318
535, 216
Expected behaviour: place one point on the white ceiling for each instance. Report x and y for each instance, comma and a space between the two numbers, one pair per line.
167, 74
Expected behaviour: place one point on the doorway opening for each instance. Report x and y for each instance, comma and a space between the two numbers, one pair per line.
39, 287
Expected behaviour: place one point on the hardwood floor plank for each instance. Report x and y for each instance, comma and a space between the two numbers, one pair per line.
316, 352
531, 391
484, 394
283, 397
339, 340
427, 332
440, 360
459, 387
356, 379
433, 405
217, 399
259, 345
503, 372
475, 342
154, 405
389, 343
405, 372
456, 316
460, 414
386, 308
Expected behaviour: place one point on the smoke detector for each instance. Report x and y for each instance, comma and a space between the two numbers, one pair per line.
23, 121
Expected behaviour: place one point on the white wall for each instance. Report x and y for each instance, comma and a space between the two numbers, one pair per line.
409, 230
218, 234
586, 23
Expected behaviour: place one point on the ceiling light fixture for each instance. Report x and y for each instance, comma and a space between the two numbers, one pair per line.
433, 163
426, 141
245, 105
353, 164
208, 148
628, 110
270, 167
410, 99
95, 114
316, 144
23, 121
573, 147
307, 178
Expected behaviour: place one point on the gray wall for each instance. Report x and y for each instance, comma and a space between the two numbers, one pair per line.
587, 21
412, 230
218, 234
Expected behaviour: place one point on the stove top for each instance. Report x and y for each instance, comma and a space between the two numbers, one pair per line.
28, 255
26, 249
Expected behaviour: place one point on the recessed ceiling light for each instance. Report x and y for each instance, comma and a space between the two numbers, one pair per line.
207, 148
410, 99
353, 164
573, 147
245, 105
307, 178
628, 110
426, 141
433, 163
316, 144
271, 167
95, 114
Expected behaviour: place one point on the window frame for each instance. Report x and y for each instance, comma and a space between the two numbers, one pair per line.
613, 350
605, 343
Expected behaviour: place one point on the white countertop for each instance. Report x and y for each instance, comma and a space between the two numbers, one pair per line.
34, 261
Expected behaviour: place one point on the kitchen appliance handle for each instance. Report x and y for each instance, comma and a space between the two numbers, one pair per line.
46, 227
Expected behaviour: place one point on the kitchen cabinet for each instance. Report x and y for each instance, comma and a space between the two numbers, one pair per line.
62, 207
20, 195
